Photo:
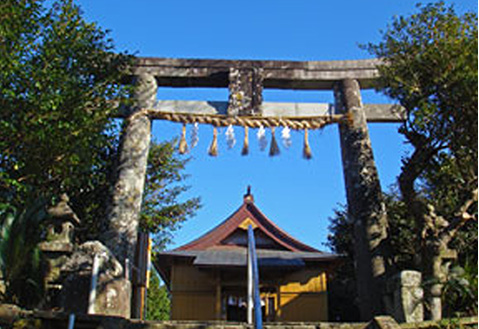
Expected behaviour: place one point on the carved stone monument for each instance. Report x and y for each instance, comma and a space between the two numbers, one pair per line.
112, 289
404, 299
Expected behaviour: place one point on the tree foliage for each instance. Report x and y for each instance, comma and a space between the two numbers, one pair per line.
157, 300
60, 81
58, 78
403, 237
431, 69
162, 211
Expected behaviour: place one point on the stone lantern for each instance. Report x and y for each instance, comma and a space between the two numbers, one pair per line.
57, 246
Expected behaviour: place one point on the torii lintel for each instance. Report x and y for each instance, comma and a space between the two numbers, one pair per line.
246, 79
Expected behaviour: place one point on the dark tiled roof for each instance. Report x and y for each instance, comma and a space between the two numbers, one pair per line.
237, 257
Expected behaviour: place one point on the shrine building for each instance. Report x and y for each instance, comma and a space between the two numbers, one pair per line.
207, 277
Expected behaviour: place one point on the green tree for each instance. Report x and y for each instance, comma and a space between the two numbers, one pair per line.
157, 300
58, 78
60, 81
162, 212
430, 68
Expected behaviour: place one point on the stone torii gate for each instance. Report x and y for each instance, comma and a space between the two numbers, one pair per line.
245, 81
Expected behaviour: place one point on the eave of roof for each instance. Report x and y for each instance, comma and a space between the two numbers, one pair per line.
236, 257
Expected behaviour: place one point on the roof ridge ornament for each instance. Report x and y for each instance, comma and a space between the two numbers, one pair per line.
248, 197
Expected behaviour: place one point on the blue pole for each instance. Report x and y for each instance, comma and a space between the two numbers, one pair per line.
258, 317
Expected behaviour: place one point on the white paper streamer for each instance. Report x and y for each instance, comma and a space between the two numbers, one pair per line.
230, 137
286, 137
261, 135
194, 139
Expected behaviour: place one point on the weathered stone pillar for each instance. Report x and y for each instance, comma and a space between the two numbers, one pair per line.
366, 208
123, 213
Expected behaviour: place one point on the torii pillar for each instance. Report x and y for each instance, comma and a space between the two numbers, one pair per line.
122, 218
366, 208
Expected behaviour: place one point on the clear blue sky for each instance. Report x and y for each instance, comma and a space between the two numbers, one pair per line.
297, 194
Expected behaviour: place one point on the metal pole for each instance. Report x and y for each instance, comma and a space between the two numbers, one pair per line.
258, 316
71, 321
250, 284
94, 279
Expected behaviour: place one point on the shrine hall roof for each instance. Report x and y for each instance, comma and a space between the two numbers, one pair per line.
228, 233
225, 246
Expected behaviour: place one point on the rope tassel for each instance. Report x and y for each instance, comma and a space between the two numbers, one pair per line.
306, 148
213, 150
273, 149
245, 150
183, 146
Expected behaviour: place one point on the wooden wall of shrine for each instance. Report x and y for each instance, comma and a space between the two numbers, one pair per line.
200, 295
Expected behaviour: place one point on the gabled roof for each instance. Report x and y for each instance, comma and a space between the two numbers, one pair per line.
225, 246
232, 232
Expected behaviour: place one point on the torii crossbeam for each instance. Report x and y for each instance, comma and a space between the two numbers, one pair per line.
246, 79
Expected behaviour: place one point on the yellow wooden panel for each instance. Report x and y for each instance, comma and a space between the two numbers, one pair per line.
247, 222
188, 278
304, 281
303, 307
193, 294
193, 306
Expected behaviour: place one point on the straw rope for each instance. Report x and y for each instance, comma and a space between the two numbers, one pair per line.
315, 122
